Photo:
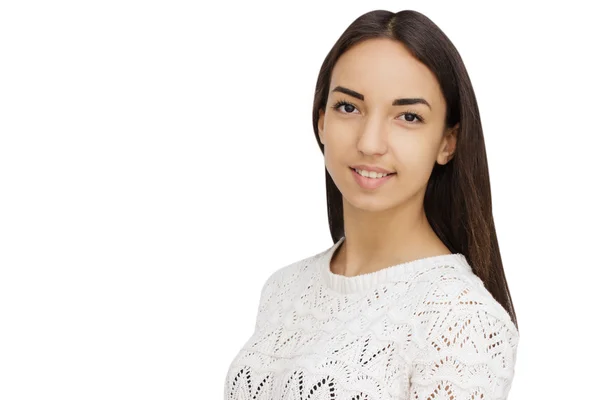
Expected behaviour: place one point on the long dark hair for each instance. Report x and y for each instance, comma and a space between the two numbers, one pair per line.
465, 223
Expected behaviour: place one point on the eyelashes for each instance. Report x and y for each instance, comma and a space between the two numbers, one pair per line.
418, 117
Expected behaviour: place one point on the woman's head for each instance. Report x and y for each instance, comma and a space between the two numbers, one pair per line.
385, 109
436, 147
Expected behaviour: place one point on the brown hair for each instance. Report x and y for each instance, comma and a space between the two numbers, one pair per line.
466, 224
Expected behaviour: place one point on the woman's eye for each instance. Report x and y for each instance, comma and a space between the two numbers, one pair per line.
348, 108
344, 107
412, 118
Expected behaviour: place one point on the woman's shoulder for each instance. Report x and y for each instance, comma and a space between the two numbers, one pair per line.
458, 293
292, 273
464, 339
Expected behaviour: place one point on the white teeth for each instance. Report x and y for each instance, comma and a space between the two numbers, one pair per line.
370, 174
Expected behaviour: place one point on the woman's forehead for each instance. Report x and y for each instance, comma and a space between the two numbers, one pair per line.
382, 70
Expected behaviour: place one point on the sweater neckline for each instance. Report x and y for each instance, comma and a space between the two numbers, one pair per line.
354, 284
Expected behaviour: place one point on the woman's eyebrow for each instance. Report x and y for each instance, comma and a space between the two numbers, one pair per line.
396, 102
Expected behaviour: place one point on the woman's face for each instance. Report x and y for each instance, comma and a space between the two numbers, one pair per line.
406, 139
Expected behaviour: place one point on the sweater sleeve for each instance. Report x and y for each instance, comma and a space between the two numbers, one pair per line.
471, 355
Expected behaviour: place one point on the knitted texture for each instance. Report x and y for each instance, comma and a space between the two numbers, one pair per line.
426, 329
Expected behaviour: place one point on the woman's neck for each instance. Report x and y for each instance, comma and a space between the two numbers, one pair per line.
372, 244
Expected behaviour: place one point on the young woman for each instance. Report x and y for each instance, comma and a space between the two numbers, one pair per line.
410, 301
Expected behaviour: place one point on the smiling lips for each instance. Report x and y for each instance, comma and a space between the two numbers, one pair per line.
369, 168
371, 183
371, 174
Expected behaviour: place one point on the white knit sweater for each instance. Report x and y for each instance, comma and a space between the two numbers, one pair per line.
426, 329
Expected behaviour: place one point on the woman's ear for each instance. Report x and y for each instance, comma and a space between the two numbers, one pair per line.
320, 125
448, 146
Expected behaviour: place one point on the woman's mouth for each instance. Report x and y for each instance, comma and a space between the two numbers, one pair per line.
373, 180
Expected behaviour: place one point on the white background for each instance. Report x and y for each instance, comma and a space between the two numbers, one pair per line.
157, 164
